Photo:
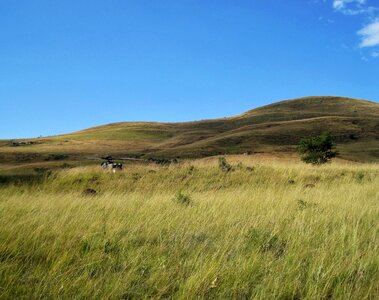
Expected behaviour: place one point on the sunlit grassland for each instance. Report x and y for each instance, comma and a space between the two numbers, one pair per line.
265, 230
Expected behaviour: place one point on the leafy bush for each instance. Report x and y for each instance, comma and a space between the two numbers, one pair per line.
317, 150
359, 176
224, 165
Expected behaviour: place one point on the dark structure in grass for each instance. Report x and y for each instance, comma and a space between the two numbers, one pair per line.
110, 165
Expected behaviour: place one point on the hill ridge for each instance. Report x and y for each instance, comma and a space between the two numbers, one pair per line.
276, 127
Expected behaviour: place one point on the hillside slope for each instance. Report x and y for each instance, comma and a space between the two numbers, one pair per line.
272, 128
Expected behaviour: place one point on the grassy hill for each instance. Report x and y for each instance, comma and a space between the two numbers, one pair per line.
273, 128
266, 228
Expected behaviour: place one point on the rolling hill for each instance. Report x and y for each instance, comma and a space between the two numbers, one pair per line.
273, 128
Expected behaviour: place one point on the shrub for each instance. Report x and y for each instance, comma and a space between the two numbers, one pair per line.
359, 176
66, 166
223, 165
191, 169
317, 150
41, 170
183, 199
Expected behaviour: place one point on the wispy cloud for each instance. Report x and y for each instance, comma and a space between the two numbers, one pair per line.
370, 35
352, 7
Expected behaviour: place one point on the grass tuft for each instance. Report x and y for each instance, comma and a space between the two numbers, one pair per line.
183, 199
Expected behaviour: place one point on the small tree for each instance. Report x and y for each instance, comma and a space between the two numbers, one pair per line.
317, 150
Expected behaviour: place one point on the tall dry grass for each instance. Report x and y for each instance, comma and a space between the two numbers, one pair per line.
266, 230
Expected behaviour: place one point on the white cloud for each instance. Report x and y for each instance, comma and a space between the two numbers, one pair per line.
338, 4
351, 7
370, 34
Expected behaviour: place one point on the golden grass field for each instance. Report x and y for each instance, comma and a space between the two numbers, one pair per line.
268, 229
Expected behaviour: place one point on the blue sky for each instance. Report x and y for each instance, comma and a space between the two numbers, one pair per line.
68, 65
